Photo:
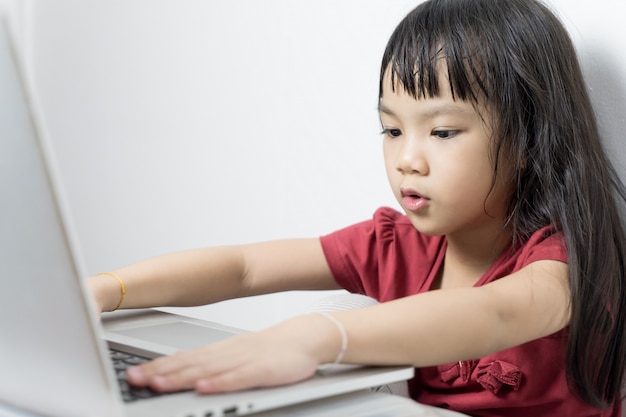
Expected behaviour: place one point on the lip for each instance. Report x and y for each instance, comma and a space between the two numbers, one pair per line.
413, 200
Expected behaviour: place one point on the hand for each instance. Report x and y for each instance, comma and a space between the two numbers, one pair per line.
284, 354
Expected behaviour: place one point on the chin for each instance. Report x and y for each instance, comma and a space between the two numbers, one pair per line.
424, 226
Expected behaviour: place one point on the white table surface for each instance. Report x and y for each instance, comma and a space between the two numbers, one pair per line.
357, 404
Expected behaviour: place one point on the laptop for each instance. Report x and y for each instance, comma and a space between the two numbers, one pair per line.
54, 349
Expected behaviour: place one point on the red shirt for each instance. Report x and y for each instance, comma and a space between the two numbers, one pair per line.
387, 258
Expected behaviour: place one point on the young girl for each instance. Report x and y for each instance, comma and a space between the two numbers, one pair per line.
502, 283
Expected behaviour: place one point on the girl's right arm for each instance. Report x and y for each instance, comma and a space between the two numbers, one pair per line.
203, 276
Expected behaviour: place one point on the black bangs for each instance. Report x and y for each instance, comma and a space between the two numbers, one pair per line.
432, 42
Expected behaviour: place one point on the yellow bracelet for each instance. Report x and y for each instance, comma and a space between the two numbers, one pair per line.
122, 287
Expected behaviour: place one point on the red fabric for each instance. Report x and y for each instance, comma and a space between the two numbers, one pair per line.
387, 258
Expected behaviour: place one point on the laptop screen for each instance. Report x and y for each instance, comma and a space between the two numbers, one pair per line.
49, 347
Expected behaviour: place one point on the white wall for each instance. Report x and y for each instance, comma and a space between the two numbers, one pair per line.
17, 14
598, 32
189, 123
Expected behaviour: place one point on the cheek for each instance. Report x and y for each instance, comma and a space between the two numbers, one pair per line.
478, 192
468, 182
390, 161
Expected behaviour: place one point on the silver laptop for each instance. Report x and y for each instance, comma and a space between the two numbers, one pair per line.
54, 356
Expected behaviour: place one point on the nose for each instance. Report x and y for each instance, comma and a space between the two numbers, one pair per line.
411, 157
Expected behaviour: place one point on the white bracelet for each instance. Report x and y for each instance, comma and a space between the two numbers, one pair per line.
344, 337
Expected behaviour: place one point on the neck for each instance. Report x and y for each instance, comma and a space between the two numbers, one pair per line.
469, 256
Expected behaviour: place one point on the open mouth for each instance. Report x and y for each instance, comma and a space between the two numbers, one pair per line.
412, 200
409, 193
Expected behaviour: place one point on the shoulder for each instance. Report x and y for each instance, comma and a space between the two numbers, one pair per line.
387, 218
546, 243
386, 227
391, 224
373, 256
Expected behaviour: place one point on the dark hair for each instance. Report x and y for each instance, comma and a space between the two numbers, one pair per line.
518, 56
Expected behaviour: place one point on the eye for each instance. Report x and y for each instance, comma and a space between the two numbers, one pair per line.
444, 134
393, 133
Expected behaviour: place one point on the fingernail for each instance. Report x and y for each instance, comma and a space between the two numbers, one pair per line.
204, 386
136, 375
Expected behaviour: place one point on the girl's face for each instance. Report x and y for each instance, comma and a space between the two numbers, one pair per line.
438, 155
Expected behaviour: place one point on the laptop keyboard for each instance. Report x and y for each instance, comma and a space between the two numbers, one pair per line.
121, 362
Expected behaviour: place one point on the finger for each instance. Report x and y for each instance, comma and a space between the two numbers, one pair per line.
184, 378
253, 375
176, 380
145, 374
136, 376
181, 370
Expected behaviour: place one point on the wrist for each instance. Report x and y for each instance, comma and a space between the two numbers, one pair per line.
342, 332
108, 291
321, 336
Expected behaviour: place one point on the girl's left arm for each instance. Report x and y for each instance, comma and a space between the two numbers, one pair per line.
463, 323
422, 330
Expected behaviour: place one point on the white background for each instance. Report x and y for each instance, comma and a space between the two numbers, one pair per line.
186, 123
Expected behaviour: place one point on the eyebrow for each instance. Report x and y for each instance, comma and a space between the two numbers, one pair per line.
432, 111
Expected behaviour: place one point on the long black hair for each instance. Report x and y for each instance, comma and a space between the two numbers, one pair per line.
517, 55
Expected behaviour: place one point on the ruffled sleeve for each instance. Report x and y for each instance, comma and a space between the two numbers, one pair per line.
385, 257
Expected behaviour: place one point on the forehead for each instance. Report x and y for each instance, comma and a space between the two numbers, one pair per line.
394, 98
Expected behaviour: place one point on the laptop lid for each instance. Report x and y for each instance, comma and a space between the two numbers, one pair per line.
53, 356
45, 321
